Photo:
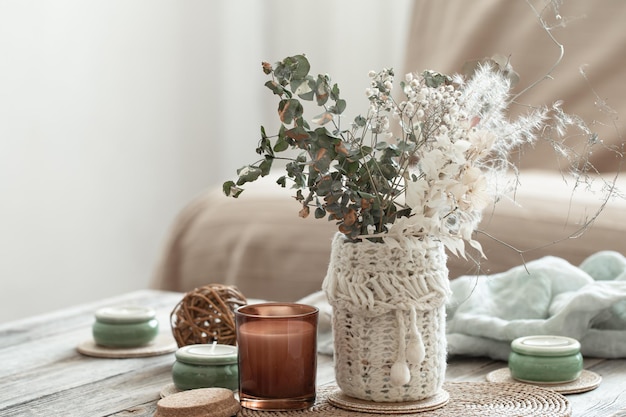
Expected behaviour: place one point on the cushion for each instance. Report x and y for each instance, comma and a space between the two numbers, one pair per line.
256, 242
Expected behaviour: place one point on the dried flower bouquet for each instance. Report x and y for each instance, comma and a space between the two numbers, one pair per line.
428, 164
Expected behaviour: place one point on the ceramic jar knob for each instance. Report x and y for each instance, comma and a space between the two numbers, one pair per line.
206, 366
125, 326
545, 359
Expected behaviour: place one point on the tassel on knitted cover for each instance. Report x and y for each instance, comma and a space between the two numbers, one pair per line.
388, 318
411, 352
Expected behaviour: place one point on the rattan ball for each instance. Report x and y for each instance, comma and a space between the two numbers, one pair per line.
207, 315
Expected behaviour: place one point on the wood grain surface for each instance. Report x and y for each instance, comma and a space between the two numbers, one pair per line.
42, 374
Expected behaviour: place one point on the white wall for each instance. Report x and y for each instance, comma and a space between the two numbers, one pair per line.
114, 113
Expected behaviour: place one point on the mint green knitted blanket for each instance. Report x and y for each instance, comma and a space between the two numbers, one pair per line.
545, 296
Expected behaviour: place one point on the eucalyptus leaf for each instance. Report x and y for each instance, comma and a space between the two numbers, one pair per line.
322, 160
281, 144
434, 79
300, 66
275, 87
323, 186
293, 168
366, 150
339, 107
381, 145
348, 167
333, 208
323, 118
336, 186
300, 181
298, 134
304, 88
323, 139
231, 190
248, 173
360, 121
282, 73
407, 147
289, 109
322, 90
389, 171
266, 166
320, 213
334, 93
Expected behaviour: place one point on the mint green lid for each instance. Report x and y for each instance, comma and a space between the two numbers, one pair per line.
125, 314
207, 354
546, 345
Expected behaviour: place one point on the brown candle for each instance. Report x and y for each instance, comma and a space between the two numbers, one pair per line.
277, 345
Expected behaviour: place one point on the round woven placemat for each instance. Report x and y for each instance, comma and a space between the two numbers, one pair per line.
164, 343
467, 399
587, 381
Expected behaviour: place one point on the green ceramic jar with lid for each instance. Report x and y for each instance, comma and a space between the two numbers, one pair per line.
206, 366
545, 359
125, 326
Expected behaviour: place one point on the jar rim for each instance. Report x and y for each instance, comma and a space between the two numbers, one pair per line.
276, 310
546, 345
125, 314
207, 354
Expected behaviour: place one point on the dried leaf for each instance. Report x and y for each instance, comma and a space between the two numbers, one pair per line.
322, 119
350, 218
304, 212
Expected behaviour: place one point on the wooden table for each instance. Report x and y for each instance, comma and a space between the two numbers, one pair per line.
42, 374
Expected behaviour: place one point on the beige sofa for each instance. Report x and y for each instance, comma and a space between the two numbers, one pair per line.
259, 243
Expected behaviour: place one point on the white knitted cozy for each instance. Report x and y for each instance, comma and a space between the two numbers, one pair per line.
388, 317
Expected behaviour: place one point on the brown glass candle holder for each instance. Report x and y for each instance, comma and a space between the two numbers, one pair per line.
277, 345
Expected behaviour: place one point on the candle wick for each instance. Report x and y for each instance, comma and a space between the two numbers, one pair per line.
213, 346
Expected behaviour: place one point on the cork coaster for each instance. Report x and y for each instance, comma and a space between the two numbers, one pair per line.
339, 399
587, 381
164, 343
203, 402
467, 399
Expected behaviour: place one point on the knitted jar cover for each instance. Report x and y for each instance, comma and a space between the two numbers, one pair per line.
388, 304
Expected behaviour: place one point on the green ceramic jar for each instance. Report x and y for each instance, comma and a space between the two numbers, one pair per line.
545, 359
125, 326
206, 366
